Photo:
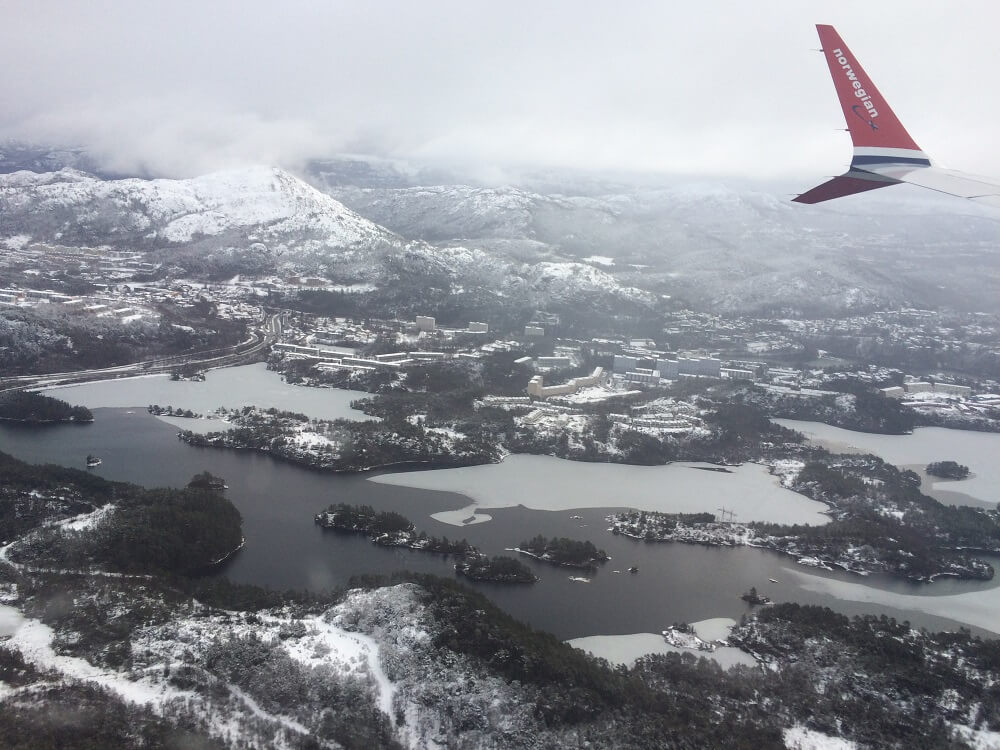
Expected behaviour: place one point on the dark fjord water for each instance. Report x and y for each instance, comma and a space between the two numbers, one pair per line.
285, 549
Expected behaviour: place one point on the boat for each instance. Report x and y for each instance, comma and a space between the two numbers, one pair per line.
93, 460
634, 569
773, 580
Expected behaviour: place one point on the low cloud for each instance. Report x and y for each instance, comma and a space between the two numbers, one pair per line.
181, 88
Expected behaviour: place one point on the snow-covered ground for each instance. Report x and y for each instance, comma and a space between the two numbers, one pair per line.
87, 520
626, 649
979, 607
462, 517
34, 640
591, 395
309, 439
799, 737
547, 483
980, 739
197, 425
229, 387
269, 202
10, 620
330, 641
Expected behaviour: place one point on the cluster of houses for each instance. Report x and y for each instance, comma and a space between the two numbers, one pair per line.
100, 307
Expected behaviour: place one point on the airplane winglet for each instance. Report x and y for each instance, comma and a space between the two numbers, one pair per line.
877, 134
872, 123
838, 187
884, 153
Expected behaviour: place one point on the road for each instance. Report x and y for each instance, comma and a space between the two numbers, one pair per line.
259, 340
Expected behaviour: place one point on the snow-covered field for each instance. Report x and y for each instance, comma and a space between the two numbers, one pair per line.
626, 649
979, 607
229, 387
803, 738
547, 483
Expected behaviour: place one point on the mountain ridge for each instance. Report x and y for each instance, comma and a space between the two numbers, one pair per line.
706, 245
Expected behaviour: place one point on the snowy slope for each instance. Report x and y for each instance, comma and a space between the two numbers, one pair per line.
721, 247
262, 204
263, 219
446, 212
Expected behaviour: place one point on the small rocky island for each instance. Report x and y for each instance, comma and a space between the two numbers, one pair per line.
207, 481
501, 569
568, 553
947, 470
386, 529
168, 411
389, 529
683, 635
753, 597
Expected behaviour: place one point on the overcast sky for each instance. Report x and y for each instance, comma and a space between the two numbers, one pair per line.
706, 88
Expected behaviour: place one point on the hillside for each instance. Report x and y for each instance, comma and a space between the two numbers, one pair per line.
263, 220
705, 245
717, 247
257, 204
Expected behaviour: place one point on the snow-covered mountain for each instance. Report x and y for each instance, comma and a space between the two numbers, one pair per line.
262, 219
262, 204
709, 245
719, 247
438, 213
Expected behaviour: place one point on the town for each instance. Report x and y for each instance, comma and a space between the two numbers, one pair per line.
784, 359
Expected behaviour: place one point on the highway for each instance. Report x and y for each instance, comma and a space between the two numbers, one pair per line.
259, 340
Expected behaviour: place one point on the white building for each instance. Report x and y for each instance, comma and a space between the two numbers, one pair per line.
428, 355
554, 362
649, 377
623, 363
704, 366
733, 373
668, 368
963, 391
538, 389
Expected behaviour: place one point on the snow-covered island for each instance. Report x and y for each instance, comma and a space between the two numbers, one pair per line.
568, 553
811, 549
500, 569
342, 445
387, 529
683, 635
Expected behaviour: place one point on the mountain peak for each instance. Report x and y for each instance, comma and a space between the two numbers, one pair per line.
258, 203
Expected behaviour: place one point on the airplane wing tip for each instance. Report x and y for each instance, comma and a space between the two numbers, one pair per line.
838, 187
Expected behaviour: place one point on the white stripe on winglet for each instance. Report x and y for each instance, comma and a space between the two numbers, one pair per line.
906, 153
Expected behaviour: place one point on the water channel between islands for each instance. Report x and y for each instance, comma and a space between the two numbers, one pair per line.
526, 495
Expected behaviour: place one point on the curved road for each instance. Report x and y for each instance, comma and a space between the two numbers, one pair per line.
259, 340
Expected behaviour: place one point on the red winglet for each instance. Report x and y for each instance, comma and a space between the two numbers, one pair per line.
838, 187
870, 120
